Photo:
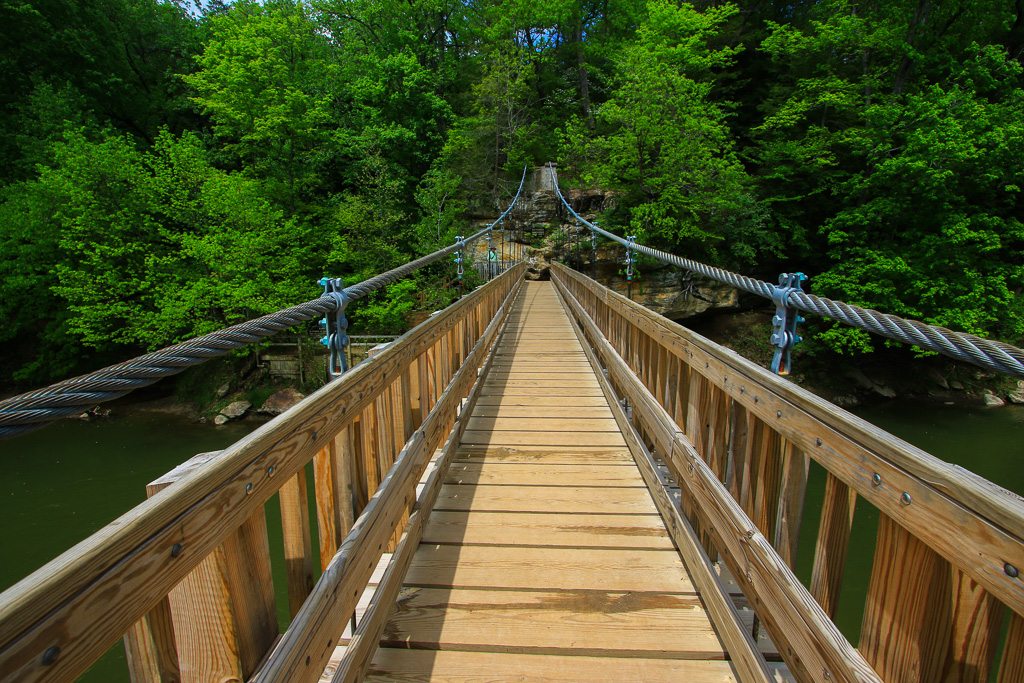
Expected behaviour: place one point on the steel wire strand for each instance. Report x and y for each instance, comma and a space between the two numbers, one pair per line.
986, 353
34, 409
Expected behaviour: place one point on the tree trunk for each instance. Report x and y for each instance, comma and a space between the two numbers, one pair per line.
917, 24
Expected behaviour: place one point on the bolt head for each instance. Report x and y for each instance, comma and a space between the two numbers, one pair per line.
248, 488
905, 498
876, 479
1011, 571
50, 656
175, 550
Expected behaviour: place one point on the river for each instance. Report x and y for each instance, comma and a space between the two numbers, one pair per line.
64, 482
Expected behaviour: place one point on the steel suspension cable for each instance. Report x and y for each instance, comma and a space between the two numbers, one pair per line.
994, 355
30, 411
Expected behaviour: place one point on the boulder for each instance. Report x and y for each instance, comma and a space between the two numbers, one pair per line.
223, 390
992, 400
280, 401
955, 384
1016, 397
235, 409
221, 419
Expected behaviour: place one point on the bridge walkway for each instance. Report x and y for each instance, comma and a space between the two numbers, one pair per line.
545, 555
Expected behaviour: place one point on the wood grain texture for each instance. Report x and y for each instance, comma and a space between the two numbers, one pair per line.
907, 619
833, 541
298, 547
452, 666
574, 531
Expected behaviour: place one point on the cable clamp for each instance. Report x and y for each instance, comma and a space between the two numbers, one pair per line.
335, 326
459, 255
784, 322
630, 256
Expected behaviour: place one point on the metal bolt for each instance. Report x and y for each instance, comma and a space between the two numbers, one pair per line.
876, 479
818, 441
271, 471
707, 365
778, 413
743, 389
1010, 570
248, 488
175, 550
756, 399
50, 656
905, 498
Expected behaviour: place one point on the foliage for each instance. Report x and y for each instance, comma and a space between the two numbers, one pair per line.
169, 173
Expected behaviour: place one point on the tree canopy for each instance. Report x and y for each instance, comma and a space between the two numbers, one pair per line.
171, 170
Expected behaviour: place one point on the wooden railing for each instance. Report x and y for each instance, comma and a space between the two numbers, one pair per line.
739, 441
185, 576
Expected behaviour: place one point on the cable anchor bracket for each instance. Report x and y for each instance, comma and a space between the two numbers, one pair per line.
784, 322
630, 257
335, 326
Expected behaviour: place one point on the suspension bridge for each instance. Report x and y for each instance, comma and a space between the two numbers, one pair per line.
544, 481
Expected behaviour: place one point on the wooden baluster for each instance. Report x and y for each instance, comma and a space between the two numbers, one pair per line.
671, 384
1011, 669
223, 612
975, 628
832, 544
408, 424
769, 476
662, 370
751, 463
697, 419
792, 491
333, 488
298, 547
737, 469
682, 400
718, 431
907, 618
370, 457
150, 649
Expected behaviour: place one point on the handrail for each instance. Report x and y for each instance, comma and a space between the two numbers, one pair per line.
60, 619
739, 440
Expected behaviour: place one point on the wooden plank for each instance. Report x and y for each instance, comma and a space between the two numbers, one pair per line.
543, 424
564, 455
574, 401
832, 544
547, 529
298, 548
452, 666
905, 631
611, 623
505, 474
530, 568
545, 499
542, 438
543, 384
513, 411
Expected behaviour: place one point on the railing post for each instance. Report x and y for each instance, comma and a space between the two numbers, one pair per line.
223, 612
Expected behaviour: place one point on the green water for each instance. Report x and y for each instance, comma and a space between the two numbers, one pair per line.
63, 483
987, 441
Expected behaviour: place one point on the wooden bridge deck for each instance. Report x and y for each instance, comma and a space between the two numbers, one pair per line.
545, 557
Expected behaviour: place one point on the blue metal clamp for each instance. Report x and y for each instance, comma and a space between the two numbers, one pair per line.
630, 257
335, 325
784, 336
459, 256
